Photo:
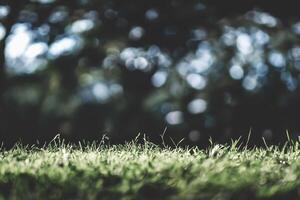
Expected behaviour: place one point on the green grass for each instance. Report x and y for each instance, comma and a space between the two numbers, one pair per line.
133, 171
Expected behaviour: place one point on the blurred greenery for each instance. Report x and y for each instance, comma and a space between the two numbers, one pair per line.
135, 171
85, 68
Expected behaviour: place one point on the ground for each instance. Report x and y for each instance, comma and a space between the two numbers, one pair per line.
135, 171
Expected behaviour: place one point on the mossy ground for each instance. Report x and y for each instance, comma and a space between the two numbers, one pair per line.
134, 171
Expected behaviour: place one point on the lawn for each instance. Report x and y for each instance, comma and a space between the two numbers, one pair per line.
133, 171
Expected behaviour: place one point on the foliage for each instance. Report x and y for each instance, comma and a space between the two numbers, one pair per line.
87, 67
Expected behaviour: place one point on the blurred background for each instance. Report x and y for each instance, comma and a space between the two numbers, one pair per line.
85, 68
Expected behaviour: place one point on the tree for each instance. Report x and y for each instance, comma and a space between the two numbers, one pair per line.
202, 68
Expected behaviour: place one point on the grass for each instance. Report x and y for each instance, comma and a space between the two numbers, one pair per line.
133, 171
